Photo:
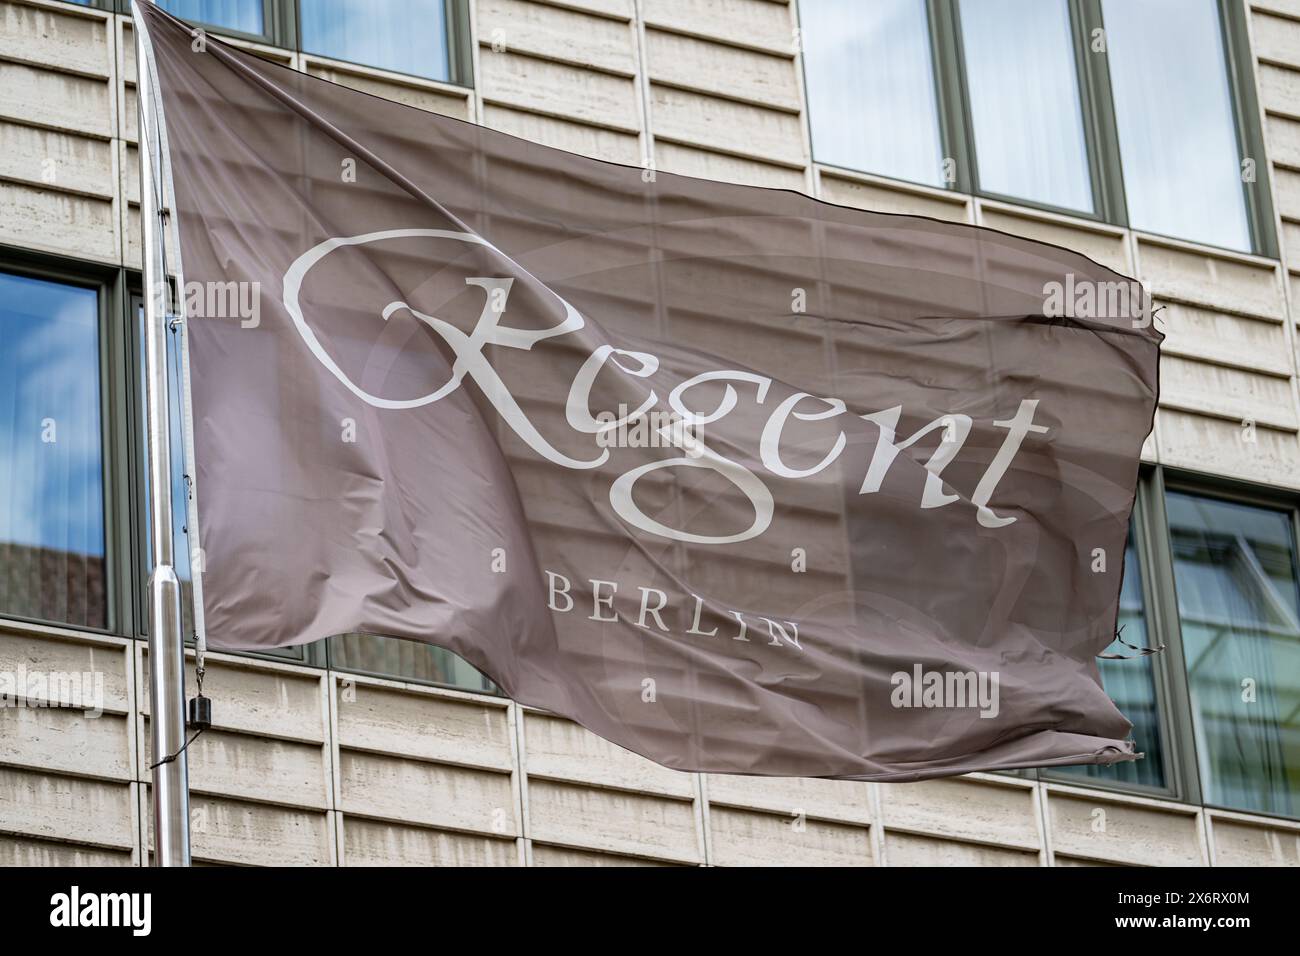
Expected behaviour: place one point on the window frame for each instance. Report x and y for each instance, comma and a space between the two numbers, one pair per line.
1165, 666
949, 116
276, 19
1169, 667
1239, 58
1096, 104
1238, 492
136, 506
455, 15
1091, 77
1248, 132
1173, 694
118, 570
948, 60
283, 24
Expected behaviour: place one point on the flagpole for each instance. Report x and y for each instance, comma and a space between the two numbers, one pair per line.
170, 786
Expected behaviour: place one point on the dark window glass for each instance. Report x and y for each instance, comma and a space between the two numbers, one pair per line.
405, 660
1131, 684
244, 16
51, 453
406, 36
1239, 606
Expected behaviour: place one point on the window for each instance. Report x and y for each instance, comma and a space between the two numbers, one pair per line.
1218, 712
871, 93
405, 660
424, 38
1235, 571
1177, 132
1131, 684
1024, 101
1115, 110
52, 531
406, 36
239, 16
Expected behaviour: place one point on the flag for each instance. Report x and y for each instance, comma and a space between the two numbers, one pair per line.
742, 481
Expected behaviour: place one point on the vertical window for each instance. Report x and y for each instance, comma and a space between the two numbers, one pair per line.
1239, 606
51, 453
405, 660
1023, 88
871, 89
1118, 110
1176, 124
1131, 684
244, 16
406, 36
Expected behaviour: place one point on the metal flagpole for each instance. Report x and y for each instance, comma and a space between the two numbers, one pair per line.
171, 811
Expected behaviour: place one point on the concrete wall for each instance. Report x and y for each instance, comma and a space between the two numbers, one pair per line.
307, 766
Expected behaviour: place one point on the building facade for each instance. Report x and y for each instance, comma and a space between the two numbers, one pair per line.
1160, 138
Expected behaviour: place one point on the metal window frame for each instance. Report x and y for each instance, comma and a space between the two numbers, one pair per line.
1223, 489
135, 507
119, 608
1096, 103
1238, 60
1250, 134
1173, 692
1168, 629
283, 28
1091, 79
1165, 667
455, 15
956, 132
460, 44
949, 125
276, 28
